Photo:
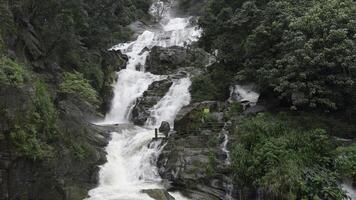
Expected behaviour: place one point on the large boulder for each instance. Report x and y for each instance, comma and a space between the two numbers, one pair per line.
165, 128
150, 97
164, 61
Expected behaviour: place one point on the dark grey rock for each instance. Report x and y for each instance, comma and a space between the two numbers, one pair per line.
186, 158
164, 61
165, 128
150, 97
254, 110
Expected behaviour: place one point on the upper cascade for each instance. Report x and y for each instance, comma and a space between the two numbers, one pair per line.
133, 81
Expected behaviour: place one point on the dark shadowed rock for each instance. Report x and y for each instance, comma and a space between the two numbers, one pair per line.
170, 60
254, 110
192, 160
165, 128
150, 97
112, 61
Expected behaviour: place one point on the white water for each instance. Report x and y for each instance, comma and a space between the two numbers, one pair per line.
350, 190
244, 94
168, 107
131, 154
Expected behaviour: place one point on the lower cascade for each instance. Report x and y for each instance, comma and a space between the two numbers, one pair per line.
131, 153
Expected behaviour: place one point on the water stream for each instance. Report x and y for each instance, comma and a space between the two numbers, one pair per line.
131, 154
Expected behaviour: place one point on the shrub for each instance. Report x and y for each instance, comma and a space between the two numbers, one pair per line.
203, 89
45, 111
234, 109
283, 161
75, 84
346, 161
27, 141
11, 73
80, 151
33, 131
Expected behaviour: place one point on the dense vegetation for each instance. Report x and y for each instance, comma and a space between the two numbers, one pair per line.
301, 54
53, 50
71, 34
287, 162
304, 51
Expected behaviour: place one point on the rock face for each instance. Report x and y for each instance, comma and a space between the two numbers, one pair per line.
165, 128
192, 159
112, 61
65, 176
155, 92
170, 60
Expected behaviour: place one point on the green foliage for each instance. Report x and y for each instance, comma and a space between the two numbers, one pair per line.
11, 72
33, 131
346, 161
26, 139
285, 162
210, 167
45, 112
80, 151
75, 84
234, 109
72, 34
213, 85
2, 46
203, 89
305, 51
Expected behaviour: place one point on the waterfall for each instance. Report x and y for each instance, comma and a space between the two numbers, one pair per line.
228, 183
131, 153
168, 107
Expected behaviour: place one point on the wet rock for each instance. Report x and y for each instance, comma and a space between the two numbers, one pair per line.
112, 61
254, 110
165, 128
187, 114
192, 159
170, 60
158, 194
155, 92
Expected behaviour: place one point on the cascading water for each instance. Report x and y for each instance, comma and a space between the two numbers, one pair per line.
168, 107
132, 155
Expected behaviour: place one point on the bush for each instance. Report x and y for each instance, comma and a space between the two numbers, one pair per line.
33, 131
11, 73
234, 109
80, 151
75, 84
46, 111
203, 89
27, 141
285, 162
346, 161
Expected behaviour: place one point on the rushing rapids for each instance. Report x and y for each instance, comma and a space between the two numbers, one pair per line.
131, 158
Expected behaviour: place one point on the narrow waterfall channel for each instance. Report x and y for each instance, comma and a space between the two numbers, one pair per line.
132, 154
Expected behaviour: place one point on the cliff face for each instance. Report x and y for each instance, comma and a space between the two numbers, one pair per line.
71, 169
48, 147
